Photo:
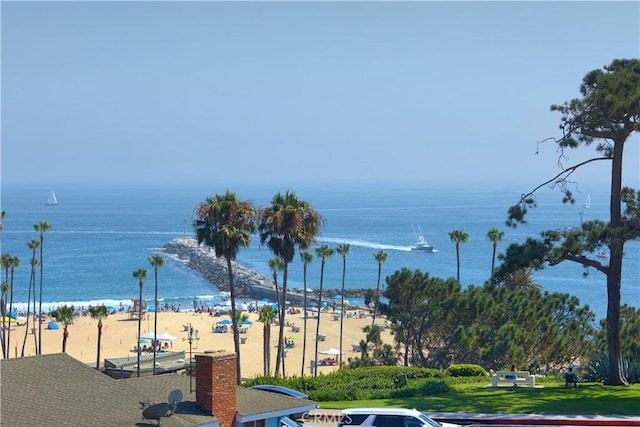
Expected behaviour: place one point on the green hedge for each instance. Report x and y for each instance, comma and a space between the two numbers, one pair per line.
466, 370
378, 382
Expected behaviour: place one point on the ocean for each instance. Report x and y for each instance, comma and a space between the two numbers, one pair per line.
101, 234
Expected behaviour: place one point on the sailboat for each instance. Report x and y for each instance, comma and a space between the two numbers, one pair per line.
52, 200
587, 204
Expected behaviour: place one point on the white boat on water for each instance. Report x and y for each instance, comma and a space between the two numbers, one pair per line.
52, 200
421, 244
587, 204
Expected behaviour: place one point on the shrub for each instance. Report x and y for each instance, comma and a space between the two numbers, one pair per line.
466, 370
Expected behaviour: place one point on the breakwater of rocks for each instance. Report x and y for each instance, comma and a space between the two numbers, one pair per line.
248, 283
203, 259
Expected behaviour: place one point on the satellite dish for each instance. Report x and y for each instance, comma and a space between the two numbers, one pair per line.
155, 412
175, 397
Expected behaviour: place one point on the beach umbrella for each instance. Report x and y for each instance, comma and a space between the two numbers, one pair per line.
166, 337
149, 336
52, 325
330, 351
7, 319
292, 337
225, 322
12, 314
247, 322
265, 300
143, 341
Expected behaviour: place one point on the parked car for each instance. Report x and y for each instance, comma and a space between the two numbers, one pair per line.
281, 390
285, 391
388, 417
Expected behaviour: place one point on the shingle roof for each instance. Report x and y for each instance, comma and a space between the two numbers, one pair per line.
56, 389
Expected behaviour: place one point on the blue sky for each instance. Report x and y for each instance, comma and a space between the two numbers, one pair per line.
295, 92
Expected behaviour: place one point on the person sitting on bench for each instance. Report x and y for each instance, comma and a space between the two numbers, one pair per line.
513, 375
570, 378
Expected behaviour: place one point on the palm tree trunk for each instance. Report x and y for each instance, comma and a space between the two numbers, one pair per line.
26, 330
279, 347
304, 313
375, 303
266, 345
139, 328
458, 261
281, 312
234, 319
99, 341
11, 311
315, 369
40, 296
493, 260
344, 268
36, 316
65, 335
4, 335
155, 320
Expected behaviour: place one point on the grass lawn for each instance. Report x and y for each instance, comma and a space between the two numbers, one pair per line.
552, 398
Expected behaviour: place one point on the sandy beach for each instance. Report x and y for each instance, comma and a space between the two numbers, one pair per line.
120, 336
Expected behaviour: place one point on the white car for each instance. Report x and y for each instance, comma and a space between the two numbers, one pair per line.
387, 417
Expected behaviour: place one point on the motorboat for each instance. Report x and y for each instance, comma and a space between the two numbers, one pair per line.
421, 243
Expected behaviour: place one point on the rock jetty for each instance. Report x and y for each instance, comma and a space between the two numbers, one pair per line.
248, 283
204, 260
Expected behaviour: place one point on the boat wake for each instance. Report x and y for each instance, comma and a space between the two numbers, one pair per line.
365, 244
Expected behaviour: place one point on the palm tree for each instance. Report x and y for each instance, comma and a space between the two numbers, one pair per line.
306, 258
33, 245
380, 258
2, 215
287, 223
4, 262
323, 252
275, 265
522, 278
13, 263
42, 227
99, 312
266, 316
156, 261
4, 290
495, 236
139, 274
458, 236
65, 314
343, 250
226, 223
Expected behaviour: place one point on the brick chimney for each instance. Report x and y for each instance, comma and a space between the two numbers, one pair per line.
216, 386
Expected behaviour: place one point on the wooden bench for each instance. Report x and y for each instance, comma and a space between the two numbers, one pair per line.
513, 378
